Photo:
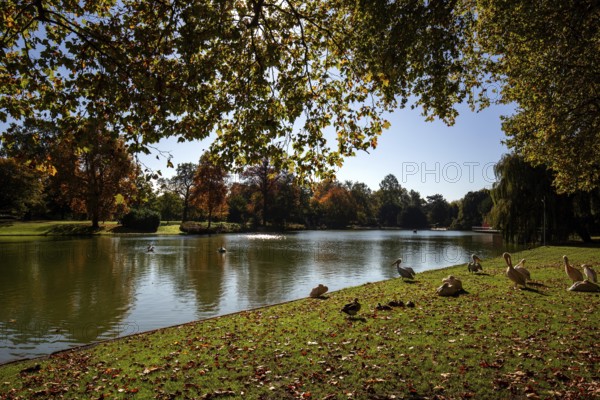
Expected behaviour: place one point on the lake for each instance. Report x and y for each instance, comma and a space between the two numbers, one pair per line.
57, 293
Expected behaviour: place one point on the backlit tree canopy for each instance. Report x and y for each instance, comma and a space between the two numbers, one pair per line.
267, 77
546, 54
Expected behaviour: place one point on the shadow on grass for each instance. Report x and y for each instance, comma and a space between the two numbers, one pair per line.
412, 282
361, 319
530, 289
538, 284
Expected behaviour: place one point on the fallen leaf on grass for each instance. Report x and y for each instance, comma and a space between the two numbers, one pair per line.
150, 370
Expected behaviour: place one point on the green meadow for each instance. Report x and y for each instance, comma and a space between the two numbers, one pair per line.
493, 342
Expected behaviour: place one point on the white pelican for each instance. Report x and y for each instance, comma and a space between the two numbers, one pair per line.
475, 264
572, 272
521, 268
447, 290
319, 291
405, 272
451, 286
584, 286
453, 281
513, 274
589, 273
351, 308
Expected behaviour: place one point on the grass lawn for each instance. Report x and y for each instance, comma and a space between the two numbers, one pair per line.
51, 228
493, 342
84, 228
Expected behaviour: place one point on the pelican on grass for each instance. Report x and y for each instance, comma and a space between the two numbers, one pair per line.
521, 268
475, 264
573, 273
589, 273
405, 272
513, 274
451, 286
584, 286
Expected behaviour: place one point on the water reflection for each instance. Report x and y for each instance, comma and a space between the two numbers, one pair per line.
60, 293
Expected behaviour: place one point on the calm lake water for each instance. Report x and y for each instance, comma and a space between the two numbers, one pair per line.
60, 293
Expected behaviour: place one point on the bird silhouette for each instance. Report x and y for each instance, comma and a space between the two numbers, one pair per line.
573, 273
405, 272
396, 303
521, 268
351, 308
513, 274
475, 264
318, 291
381, 307
584, 286
589, 273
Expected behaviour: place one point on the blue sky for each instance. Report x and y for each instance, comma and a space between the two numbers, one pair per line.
428, 157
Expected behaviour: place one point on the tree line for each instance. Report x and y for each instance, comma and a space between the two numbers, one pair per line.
259, 196
53, 178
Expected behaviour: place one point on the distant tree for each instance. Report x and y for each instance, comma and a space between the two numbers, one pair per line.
473, 209
335, 203
101, 179
182, 183
415, 199
89, 164
22, 188
263, 179
521, 195
210, 189
238, 203
145, 195
288, 201
438, 211
413, 217
170, 206
365, 202
392, 199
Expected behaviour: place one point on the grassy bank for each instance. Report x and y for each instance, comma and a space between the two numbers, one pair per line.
77, 228
493, 342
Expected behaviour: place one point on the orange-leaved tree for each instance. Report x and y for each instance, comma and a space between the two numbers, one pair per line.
210, 188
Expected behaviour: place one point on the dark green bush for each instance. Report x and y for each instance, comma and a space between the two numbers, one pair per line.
142, 219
